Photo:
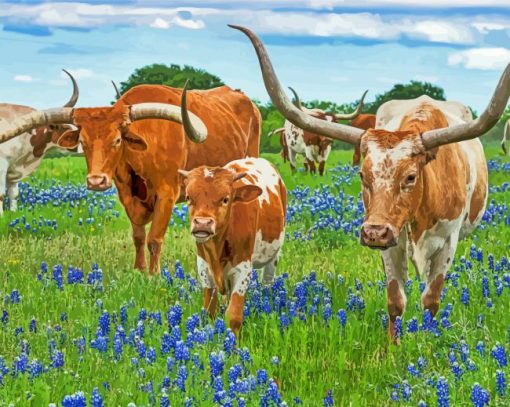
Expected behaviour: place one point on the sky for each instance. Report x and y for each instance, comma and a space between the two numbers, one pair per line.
325, 49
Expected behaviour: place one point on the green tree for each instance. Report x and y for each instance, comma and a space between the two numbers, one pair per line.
173, 75
409, 90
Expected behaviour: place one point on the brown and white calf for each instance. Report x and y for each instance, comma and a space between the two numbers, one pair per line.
424, 179
237, 215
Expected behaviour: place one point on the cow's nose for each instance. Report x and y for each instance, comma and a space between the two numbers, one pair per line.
98, 182
378, 236
202, 228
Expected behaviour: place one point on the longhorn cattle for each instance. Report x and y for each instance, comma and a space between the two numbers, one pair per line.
424, 180
20, 157
130, 144
283, 142
313, 147
237, 215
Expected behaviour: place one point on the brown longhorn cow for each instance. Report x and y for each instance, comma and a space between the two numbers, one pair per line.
140, 144
424, 179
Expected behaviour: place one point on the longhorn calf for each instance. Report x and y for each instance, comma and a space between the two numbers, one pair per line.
237, 215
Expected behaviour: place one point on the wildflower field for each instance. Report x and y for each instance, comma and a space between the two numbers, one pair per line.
80, 327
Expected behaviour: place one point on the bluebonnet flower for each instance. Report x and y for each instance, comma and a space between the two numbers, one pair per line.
174, 315
479, 396
151, 355
398, 327
123, 315
485, 286
328, 400
58, 277
443, 393
192, 323
104, 323
499, 354
480, 347
407, 391
262, 377
230, 342
96, 399
181, 351
75, 400
216, 360
234, 373
275, 360
20, 364
33, 326
422, 403
465, 296
15, 297
35, 369
179, 270
163, 401
384, 320
74, 276
501, 383
342, 317
57, 359
326, 315
182, 375
412, 325
167, 276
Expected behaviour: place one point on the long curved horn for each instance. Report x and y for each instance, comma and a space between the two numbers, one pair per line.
503, 141
357, 111
76, 91
475, 128
296, 101
276, 131
194, 127
37, 118
302, 120
117, 93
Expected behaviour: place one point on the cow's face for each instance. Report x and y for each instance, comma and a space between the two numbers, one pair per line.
102, 133
46, 138
391, 176
210, 193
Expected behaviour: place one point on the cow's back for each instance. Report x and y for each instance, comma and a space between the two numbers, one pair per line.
232, 121
19, 146
270, 207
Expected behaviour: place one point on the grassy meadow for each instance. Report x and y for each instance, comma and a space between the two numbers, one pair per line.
80, 326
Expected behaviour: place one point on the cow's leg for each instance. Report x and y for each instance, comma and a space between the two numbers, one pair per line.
13, 193
322, 165
4, 165
139, 242
269, 269
292, 160
210, 295
162, 214
436, 273
240, 277
395, 267
311, 166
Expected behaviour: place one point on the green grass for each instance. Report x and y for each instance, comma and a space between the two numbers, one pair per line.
357, 363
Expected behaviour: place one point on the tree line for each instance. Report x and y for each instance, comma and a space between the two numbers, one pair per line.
175, 76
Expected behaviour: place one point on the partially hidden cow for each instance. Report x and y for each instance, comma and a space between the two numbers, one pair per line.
20, 157
237, 215
424, 180
364, 121
144, 138
283, 142
313, 147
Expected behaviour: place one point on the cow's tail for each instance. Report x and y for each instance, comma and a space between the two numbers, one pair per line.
503, 142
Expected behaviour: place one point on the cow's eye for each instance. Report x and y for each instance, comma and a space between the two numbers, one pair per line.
361, 175
188, 199
226, 200
117, 142
411, 178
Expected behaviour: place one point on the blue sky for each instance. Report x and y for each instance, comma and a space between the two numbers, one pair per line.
325, 49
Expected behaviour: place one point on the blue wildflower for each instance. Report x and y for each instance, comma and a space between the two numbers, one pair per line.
479, 396
443, 393
328, 400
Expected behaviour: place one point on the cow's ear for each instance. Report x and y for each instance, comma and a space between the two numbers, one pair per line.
134, 141
246, 193
70, 139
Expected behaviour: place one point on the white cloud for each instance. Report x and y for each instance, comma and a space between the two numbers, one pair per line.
440, 31
160, 23
481, 58
484, 27
78, 73
23, 78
